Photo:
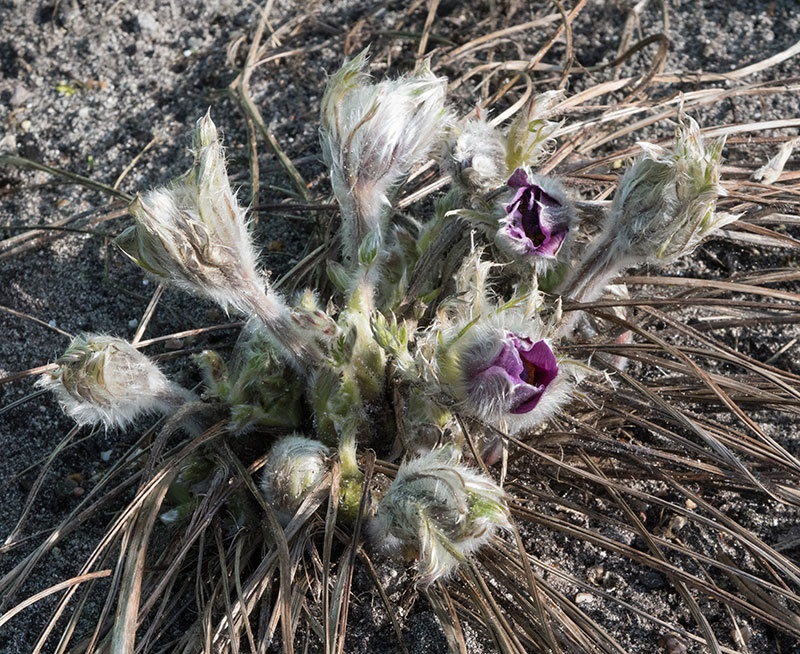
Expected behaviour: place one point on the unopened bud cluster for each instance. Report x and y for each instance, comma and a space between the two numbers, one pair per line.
439, 511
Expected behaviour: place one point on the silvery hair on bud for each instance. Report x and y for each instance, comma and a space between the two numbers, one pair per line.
105, 380
476, 156
372, 135
295, 466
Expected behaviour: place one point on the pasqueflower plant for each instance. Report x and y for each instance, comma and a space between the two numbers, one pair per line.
435, 319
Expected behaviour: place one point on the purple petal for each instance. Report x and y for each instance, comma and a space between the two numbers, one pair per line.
519, 375
540, 370
518, 179
529, 222
551, 244
540, 364
509, 359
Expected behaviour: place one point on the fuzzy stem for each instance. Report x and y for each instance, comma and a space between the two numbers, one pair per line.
352, 478
173, 401
276, 317
603, 262
444, 236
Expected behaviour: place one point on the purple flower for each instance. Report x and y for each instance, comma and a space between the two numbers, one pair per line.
520, 374
537, 220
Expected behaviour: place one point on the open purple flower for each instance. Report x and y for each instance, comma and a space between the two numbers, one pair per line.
518, 376
537, 219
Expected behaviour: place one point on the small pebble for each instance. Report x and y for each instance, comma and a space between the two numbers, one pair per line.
147, 22
133, 323
673, 645
595, 574
583, 598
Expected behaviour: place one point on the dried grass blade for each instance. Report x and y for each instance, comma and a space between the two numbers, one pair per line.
67, 583
124, 635
433, 5
329, 624
652, 545
757, 596
22, 162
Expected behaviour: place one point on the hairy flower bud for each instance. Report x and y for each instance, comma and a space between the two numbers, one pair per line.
439, 510
538, 222
372, 135
193, 233
665, 204
295, 466
105, 380
476, 157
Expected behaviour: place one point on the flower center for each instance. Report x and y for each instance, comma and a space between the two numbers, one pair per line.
530, 218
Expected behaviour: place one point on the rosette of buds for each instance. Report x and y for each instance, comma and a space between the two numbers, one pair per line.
105, 380
438, 510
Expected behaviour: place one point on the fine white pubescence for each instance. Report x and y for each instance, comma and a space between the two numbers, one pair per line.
194, 234
372, 135
105, 380
665, 205
295, 466
438, 510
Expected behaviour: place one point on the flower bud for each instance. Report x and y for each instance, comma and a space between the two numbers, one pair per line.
193, 233
101, 379
295, 466
539, 221
439, 510
665, 203
530, 135
476, 157
372, 135
664, 206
